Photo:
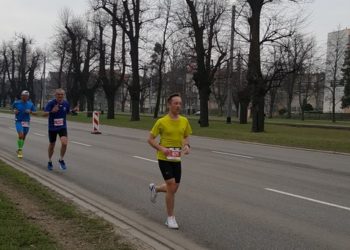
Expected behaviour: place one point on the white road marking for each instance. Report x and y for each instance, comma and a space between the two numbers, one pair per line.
39, 134
12, 128
235, 155
308, 199
145, 159
82, 144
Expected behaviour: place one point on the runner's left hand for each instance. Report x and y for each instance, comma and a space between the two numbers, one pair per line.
186, 150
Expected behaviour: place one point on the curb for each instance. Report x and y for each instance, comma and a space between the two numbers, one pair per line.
123, 219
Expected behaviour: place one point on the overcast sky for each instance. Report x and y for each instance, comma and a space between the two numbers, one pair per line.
37, 18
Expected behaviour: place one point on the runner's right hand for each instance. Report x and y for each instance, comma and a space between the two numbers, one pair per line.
16, 111
166, 151
55, 109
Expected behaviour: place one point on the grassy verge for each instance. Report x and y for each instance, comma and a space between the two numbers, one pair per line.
87, 228
276, 134
16, 232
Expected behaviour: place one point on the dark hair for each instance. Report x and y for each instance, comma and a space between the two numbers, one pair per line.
173, 95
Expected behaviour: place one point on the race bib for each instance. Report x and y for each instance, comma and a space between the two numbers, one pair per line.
58, 122
25, 124
175, 154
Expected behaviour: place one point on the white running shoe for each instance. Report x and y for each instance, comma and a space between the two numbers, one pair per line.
152, 188
171, 223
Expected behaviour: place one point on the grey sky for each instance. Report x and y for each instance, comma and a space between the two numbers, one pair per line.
38, 18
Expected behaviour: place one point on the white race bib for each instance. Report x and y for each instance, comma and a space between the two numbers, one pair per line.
58, 122
175, 154
25, 124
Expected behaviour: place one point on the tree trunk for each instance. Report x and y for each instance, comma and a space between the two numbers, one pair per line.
60, 71
243, 112
273, 93
258, 114
82, 102
302, 114
3, 87
289, 107
135, 86
110, 104
255, 78
204, 111
333, 105
90, 99
159, 93
123, 103
290, 93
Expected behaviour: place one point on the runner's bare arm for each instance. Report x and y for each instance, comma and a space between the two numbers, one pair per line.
186, 145
154, 144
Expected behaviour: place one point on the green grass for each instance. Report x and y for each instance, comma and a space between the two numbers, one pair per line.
304, 137
89, 228
307, 122
16, 232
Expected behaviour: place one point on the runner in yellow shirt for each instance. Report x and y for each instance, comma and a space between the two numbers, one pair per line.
174, 131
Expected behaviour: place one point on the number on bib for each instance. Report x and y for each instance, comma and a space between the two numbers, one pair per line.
175, 154
25, 124
58, 122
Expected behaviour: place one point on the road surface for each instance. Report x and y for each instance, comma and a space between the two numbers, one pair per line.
233, 195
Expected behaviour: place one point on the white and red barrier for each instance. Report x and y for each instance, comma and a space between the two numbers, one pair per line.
95, 123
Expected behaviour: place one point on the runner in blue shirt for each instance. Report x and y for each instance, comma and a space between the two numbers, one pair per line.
57, 110
22, 108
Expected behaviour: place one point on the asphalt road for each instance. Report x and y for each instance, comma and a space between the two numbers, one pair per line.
232, 196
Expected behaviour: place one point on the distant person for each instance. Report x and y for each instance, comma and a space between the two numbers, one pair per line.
22, 108
174, 131
57, 110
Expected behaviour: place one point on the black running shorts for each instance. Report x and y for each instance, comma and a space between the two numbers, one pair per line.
53, 134
170, 170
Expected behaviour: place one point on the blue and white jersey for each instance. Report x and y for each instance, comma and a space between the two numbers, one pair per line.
23, 110
57, 120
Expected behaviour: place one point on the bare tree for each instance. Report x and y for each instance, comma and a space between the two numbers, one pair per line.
132, 12
21, 61
82, 51
60, 52
309, 82
204, 21
255, 76
10, 68
111, 81
36, 57
335, 55
3, 67
298, 50
160, 50
219, 88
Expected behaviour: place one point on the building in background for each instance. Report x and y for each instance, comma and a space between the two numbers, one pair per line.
337, 44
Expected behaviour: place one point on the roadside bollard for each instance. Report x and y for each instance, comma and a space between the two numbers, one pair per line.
96, 123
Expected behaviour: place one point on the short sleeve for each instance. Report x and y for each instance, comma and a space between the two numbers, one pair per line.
156, 129
188, 129
48, 107
14, 105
